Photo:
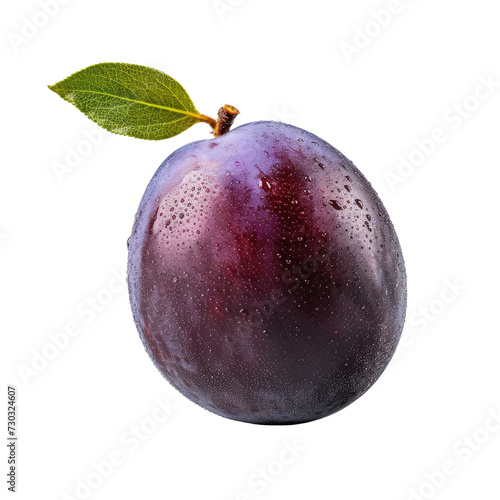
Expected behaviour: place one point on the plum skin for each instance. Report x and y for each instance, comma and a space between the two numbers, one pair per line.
265, 277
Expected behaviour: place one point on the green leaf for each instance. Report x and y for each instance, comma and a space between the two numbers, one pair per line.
131, 100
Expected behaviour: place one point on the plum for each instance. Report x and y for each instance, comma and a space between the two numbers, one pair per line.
265, 276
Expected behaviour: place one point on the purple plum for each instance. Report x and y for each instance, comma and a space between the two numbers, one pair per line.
265, 276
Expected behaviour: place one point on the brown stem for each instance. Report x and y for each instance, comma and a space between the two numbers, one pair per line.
226, 116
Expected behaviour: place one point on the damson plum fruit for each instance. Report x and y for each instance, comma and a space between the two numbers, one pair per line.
265, 276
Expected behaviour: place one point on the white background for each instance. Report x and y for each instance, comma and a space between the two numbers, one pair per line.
63, 241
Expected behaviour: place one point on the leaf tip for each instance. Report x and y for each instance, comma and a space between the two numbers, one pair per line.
56, 89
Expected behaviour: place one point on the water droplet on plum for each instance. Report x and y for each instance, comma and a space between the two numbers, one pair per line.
265, 184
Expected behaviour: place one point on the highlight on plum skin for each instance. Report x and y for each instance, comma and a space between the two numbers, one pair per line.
265, 276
